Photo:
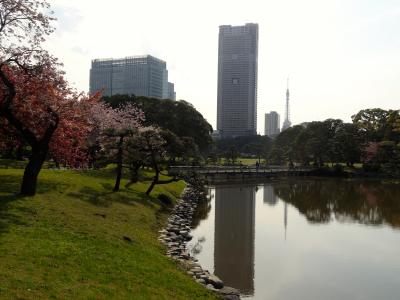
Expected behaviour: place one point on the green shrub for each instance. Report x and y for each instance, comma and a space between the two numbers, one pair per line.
166, 200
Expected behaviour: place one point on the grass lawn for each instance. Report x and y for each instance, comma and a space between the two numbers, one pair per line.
67, 241
248, 161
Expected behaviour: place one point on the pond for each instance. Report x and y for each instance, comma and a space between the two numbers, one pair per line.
303, 238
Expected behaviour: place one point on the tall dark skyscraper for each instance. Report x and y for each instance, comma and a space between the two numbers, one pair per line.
237, 80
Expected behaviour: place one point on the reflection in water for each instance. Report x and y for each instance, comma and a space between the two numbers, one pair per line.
234, 236
247, 243
366, 202
269, 195
272, 199
285, 219
202, 211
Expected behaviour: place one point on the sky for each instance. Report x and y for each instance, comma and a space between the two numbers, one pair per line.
341, 55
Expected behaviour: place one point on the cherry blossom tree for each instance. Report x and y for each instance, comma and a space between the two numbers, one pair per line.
48, 116
153, 144
35, 100
9, 141
113, 131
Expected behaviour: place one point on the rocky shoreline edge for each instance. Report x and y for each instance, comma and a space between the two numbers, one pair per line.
176, 234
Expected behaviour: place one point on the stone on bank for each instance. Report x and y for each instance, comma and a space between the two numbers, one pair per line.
176, 235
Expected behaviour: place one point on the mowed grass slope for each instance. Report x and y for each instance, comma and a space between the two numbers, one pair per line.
68, 242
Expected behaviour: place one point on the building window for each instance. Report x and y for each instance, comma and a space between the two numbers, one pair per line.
235, 81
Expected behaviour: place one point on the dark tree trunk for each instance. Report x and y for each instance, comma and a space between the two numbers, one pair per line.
156, 177
119, 164
135, 173
153, 183
32, 170
39, 148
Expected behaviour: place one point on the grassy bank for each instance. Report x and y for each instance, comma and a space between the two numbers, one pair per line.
68, 241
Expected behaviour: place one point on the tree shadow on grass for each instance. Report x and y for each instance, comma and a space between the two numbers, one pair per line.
9, 193
106, 197
8, 186
105, 173
107, 186
7, 216
91, 196
11, 184
110, 173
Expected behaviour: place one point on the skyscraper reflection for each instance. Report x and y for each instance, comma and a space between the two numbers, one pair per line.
269, 195
234, 236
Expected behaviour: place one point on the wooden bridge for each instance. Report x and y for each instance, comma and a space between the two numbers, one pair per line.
223, 173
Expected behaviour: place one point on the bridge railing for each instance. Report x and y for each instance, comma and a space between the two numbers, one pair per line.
235, 169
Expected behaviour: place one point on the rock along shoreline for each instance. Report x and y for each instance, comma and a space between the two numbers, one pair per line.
176, 234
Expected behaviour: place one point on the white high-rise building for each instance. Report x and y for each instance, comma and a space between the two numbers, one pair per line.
272, 124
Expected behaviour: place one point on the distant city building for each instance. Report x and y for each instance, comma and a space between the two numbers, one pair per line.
286, 122
137, 75
237, 80
215, 135
272, 124
171, 91
165, 87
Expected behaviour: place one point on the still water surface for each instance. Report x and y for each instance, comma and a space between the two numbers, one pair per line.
303, 239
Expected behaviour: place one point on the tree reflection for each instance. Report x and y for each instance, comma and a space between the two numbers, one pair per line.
320, 200
201, 212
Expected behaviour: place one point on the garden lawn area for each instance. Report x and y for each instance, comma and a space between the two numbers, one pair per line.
247, 161
67, 242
